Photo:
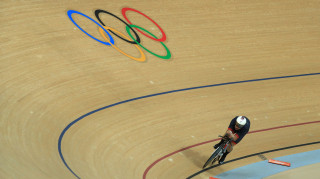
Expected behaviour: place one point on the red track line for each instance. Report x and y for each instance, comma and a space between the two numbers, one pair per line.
195, 145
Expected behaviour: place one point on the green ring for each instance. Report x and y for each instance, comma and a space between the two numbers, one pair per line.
163, 57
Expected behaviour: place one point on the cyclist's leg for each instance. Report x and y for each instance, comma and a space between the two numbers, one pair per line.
229, 149
221, 141
218, 144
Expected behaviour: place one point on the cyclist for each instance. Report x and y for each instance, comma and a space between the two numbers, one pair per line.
238, 128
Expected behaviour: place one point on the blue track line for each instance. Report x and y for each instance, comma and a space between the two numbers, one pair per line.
158, 94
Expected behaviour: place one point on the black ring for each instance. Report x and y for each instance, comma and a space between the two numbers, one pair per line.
98, 11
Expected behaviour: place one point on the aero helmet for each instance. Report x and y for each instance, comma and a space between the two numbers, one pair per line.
241, 121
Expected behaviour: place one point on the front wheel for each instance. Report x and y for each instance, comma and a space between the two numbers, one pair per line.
213, 157
216, 159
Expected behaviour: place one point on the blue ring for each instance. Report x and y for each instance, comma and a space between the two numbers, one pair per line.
70, 12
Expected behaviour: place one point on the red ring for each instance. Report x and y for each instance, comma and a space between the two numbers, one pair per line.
164, 37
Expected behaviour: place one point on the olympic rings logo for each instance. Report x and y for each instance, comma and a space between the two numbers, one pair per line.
129, 26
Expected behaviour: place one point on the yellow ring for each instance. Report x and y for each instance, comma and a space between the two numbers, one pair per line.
141, 59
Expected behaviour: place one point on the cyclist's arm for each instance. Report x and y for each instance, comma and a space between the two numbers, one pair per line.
230, 135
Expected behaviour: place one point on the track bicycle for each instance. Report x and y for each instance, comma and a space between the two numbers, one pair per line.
217, 154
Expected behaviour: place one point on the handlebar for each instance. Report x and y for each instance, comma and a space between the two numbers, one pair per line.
225, 137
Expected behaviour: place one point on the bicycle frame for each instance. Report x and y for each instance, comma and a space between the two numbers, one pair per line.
217, 154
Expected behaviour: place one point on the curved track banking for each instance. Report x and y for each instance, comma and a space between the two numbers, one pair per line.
251, 155
73, 107
168, 92
255, 154
301, 163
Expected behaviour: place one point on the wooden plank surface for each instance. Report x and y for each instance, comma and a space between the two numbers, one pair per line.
57, 85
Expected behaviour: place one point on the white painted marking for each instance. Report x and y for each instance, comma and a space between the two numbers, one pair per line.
170, 159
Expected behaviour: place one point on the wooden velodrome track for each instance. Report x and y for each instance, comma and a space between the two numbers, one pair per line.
74, 107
